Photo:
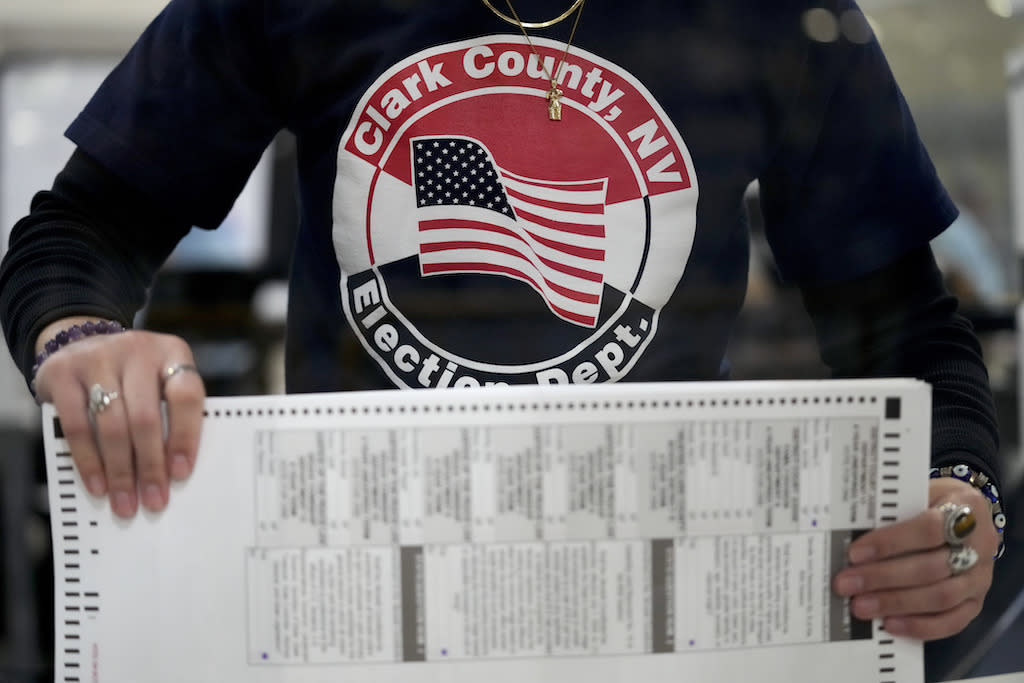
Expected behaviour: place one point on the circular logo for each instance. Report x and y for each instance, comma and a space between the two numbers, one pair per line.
467, 182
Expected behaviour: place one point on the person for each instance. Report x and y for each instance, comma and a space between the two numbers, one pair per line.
453, 234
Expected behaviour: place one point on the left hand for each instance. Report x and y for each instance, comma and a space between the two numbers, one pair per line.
900, 574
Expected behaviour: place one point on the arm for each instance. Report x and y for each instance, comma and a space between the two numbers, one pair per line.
165, 143
900, 321
87, 251
89, 248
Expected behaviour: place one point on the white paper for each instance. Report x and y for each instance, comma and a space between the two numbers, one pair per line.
655, 532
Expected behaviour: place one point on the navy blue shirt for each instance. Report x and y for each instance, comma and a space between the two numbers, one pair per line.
453, 235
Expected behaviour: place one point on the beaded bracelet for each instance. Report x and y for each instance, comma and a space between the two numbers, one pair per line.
981, 482
73, 334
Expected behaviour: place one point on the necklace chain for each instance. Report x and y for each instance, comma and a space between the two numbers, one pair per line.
554, 93
514, 20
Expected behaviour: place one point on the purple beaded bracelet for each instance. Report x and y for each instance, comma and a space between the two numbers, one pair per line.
73, 334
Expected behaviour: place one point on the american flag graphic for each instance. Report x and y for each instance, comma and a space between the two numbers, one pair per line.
477, 217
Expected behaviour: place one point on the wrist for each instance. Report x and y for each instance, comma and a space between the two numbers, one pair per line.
65, 331
51, 331
984, 484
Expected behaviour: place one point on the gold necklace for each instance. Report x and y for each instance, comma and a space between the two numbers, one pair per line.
534, 24
554, 93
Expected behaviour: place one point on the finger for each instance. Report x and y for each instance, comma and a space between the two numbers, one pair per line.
72, 408
921, 532
185, 394
984, 538
934, 626
918, 569
932, 599
114, 439
142, 403
57, 382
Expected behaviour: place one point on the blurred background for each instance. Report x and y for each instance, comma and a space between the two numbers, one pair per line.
959, 62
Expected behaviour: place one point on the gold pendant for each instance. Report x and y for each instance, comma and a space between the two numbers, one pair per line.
554, 103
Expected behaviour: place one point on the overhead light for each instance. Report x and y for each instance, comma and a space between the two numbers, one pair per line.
1005, 8
821, 25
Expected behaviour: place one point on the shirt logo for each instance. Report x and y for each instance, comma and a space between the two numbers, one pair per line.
476, 217
452, 178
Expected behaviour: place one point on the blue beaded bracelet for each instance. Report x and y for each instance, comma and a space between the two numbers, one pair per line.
73, 334
981, 482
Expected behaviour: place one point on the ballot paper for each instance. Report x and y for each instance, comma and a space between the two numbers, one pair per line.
631, 532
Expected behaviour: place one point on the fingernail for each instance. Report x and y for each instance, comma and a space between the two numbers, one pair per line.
153, 498
848, 585
861, 553
179, 467
123, 503
96, 485
866, 608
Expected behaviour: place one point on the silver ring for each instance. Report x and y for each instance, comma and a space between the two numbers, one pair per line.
176, 369
961, 558
100, 399
958, 521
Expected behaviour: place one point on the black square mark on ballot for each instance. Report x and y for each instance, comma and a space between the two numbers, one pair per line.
892, 408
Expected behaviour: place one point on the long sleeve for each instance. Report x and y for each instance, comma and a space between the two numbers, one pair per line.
901, 321
90, 246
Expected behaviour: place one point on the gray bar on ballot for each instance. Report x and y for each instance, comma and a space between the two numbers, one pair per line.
842, 624
663, 606
414, 636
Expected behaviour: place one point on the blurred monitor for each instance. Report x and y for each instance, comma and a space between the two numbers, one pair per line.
40, 96
1015, 111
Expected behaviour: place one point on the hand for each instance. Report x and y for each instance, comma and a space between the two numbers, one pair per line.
123, 450
900, 573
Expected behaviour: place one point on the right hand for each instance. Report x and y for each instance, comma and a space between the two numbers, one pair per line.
125, 452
